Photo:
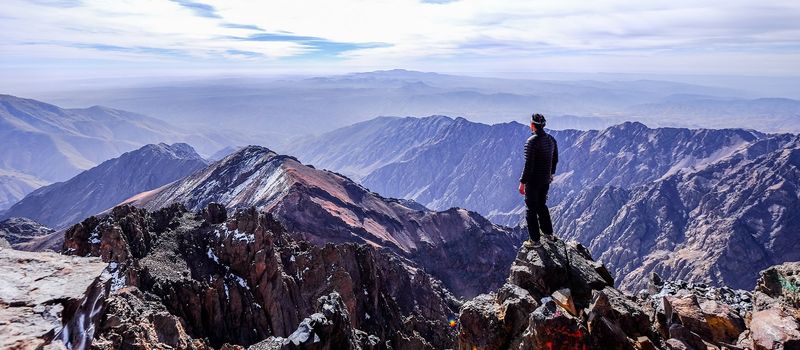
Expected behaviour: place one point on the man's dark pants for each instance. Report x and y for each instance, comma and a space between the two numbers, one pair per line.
537, 214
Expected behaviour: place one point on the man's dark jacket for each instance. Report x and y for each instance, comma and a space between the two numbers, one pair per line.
541, 157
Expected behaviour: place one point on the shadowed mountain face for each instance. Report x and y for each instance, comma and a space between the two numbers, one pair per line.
17, 232
702, 205
467, 252
92, 191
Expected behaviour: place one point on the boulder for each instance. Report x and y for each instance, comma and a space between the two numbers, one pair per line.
774, 329
725, 324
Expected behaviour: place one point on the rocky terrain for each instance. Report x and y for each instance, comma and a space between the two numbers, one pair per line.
62, 204
18, 233
38, 291
556, 297
461, 248
202, 280
706, 206
219, 279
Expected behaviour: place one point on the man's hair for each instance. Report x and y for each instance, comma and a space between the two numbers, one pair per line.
538, 119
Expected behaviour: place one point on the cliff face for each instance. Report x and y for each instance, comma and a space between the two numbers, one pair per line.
206, 279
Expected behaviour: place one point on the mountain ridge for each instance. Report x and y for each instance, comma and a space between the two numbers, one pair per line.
64, 203
322, 206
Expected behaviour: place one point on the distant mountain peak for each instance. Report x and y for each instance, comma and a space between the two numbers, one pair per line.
109, 183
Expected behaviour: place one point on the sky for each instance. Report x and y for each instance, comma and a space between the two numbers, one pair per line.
45, 39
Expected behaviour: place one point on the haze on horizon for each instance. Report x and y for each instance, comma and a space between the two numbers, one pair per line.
51, 40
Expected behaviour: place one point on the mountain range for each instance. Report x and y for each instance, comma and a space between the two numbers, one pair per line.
43, 143
63, 204
276, 109
637, 197
322, 206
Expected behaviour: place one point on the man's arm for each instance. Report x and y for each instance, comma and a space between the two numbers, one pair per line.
555, 155
528, 160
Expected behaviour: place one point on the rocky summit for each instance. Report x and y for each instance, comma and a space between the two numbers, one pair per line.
461, 248
557, 297
213, 279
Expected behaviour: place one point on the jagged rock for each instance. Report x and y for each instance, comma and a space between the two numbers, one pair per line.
321, 207
602, 317
616, 308
39, 291
479, 325
681, 337
328, 329
137, 319
781, 283
186, 282
556, 265
563, 297
688, 313
552, 327
654, 283
215, 213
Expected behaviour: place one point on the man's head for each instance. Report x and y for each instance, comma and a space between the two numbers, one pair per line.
537, 122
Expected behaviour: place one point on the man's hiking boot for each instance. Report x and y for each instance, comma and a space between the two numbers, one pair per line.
550, 237
531, 244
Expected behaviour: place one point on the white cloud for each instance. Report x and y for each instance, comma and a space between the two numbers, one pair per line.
681, 35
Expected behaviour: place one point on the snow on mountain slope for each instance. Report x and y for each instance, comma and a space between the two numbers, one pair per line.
460, 247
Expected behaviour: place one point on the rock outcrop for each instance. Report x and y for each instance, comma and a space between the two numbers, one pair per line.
698, 316
39, 292
218, 279
556, 297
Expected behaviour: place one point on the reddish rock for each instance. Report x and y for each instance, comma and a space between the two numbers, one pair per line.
774, 329
724, 323
185, 282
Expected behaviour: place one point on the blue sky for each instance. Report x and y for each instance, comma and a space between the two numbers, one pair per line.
87, 38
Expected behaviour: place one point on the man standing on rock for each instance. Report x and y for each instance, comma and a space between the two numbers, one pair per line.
541, 157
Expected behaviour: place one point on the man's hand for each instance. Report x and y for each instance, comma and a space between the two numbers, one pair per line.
522, 188
551, 178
